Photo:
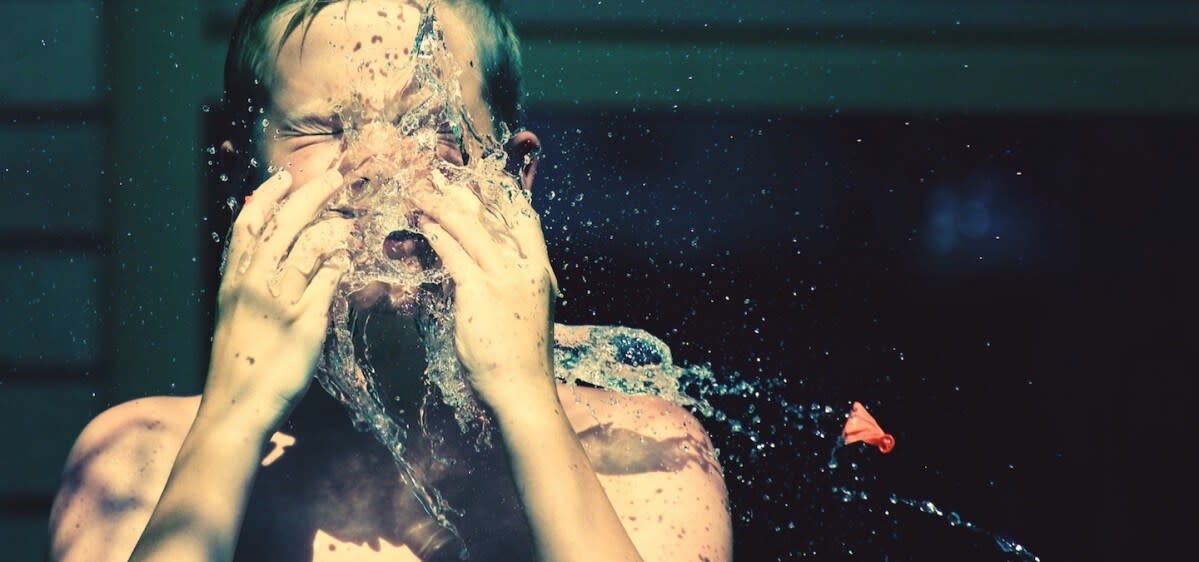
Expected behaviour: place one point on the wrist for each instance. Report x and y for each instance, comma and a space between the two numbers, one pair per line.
530, 407
236, 420
514, 387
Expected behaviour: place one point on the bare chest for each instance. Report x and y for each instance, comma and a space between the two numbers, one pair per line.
323, 501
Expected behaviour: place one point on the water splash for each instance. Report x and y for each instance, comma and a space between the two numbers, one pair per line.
635, 362
953, 519
383, 162
630, 361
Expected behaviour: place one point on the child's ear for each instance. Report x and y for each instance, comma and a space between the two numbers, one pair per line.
233, 167
227, 149
524, 150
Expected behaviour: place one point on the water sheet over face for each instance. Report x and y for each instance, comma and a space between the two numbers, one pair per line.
431, 144
420, 137
384, 159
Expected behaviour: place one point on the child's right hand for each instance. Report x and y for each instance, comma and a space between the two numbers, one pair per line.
273, 304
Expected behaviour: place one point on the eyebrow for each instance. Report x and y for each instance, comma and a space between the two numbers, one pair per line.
329, 114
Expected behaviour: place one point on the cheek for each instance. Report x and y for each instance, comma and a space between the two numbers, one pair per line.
309, 161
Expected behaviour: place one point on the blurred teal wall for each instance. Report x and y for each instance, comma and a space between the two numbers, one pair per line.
102, 163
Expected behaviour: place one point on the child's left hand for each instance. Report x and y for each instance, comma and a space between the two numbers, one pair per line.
504, 291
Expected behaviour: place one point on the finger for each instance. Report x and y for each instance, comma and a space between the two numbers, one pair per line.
248, 225
314, 310
261, 202
516, 219
526, 228
461, 267
555, 292
296, 213
528, 232
460, 214
319, 293
315, 245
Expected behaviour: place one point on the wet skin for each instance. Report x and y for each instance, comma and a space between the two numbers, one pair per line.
173, 476
329, 492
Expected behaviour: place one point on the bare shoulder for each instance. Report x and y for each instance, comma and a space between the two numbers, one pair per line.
649, 415
659, 470
114, 474
138, 430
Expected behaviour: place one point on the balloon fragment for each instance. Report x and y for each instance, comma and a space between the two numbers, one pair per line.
861, 427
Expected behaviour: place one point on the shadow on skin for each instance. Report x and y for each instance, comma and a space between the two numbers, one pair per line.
624, 451
339, 480
131, 447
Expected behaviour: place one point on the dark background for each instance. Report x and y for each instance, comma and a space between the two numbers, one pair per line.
973, 217
1005, 294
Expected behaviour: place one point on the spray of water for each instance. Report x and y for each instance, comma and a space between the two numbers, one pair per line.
383, 162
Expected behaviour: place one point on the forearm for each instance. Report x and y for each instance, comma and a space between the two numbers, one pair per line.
269, 331
570, 515
199, 515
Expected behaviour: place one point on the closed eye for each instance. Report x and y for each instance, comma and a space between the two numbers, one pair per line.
311, 126
309, 131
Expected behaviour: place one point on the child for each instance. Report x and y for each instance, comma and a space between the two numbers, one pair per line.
258, 467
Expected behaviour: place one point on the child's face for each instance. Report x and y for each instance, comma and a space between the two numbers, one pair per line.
355, 66
351, 95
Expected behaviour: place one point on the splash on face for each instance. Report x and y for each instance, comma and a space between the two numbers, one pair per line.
389, 94
393, 100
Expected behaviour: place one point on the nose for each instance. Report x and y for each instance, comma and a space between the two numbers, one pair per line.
377, 135
380, 146
371, 139
370, 156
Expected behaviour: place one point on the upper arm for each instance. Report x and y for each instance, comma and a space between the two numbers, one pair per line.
658, 468
114, 475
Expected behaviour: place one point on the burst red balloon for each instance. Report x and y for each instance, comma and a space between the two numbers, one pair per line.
861, 427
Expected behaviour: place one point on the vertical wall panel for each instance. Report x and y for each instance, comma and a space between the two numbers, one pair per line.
52, 53
50, 178
50, 302
159, 77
